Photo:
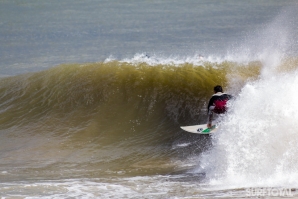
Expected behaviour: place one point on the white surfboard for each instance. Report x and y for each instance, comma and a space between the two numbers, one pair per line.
199, 129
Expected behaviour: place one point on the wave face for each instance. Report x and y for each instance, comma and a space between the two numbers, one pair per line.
113, 116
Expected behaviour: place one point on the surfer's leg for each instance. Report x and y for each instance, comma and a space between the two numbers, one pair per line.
210, 116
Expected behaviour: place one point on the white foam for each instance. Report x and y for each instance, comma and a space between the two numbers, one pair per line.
131, 187
181, 145
257, 143
153, 60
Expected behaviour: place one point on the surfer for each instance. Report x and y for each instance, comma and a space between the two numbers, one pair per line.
217, 104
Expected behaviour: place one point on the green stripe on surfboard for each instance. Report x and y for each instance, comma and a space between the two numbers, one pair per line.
208, 130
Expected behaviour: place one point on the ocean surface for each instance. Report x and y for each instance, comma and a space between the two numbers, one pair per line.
93, 94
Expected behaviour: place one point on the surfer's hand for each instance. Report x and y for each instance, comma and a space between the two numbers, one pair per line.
209, 125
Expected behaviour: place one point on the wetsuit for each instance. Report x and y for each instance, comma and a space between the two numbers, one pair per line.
217, 104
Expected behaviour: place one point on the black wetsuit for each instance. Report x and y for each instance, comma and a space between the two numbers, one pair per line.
215, 99
218, 96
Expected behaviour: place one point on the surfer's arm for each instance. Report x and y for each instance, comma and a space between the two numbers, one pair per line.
211, 101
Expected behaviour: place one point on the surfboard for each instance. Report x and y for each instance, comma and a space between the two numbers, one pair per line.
199, 129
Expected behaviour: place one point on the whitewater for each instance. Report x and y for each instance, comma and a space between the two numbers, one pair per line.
92, 97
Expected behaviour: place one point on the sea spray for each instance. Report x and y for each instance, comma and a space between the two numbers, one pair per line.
257, 144
257, 141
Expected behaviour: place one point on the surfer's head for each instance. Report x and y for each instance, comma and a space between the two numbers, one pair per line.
217, 89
